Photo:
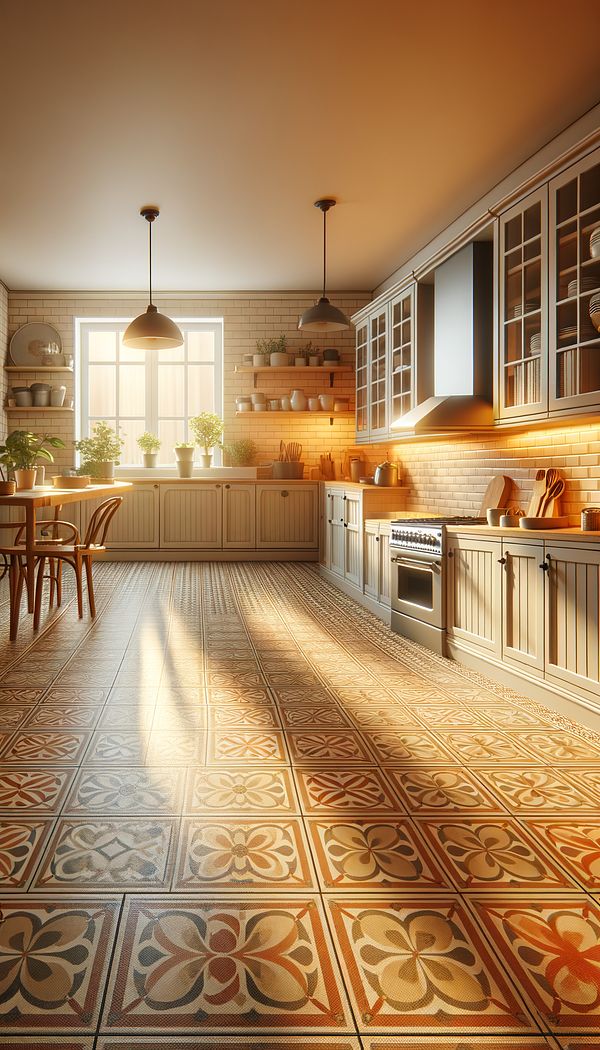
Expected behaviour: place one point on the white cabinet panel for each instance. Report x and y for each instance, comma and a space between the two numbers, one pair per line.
353, 537
287, 517
523, 605
473, 594
573, 618
191, 516
239, 516
371, 561
384, 566
135, 525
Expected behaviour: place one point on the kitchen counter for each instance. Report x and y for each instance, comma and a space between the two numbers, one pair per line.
166, 479
573, 533
365, 488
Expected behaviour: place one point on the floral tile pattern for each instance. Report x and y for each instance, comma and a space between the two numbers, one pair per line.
128, 854
231, 853
422, 966
223, 778
225, 966
21, 842
552, 949
53, 961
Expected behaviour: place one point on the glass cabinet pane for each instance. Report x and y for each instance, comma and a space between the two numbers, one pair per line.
362, 379
402, 357
378, 370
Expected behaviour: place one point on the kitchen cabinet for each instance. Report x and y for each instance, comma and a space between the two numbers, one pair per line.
134, 526
239, 516
287, 516
523, 604
572, 616
191, 516
353, 538
474, 585
522, 372
376, 562
574, 198
362, 381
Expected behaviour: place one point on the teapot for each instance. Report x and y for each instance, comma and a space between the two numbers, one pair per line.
386, 474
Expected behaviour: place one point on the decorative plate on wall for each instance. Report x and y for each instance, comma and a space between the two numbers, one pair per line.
28, 344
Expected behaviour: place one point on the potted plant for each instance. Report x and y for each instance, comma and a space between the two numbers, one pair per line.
262, 354
20, 452
276, 349
150, 446
100, 452
207, 430
301, 355
241, 453
184, 454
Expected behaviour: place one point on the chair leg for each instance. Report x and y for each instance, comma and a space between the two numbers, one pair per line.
39, 590
16, 578
90, 585
78, 581
52, 576
59, 582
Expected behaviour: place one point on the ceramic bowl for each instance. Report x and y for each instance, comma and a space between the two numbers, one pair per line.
493, 515
509, 521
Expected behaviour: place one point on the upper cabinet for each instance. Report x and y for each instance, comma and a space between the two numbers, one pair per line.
522, 385
548, 361
394, 352
574, 278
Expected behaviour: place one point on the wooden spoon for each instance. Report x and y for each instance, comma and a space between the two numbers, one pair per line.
552, 493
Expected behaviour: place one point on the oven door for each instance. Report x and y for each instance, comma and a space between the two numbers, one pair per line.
417, 586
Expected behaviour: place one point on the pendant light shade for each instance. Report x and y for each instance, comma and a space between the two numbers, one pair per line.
323, 317
152, 330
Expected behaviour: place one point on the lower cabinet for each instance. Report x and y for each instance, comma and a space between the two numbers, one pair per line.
572, 616
523, 582
376, 562
135, 525
287, 517
191, 516
353, 539
473, 592
239, 516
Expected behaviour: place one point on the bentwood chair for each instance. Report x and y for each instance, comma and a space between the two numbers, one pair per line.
55, 548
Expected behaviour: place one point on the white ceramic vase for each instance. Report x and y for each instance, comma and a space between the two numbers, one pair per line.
298, 401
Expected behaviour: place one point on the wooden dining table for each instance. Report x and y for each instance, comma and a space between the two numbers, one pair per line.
41, 497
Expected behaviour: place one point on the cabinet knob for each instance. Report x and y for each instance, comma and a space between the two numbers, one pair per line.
228, 486
341, 519
501, 561
545, 565
285, 492
155, 486
377, 539
217, 486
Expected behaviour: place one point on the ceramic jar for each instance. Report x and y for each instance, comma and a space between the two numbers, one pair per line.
313, 404
327, 402
258, 398
57, 396
286, 404
298, 401
274, 404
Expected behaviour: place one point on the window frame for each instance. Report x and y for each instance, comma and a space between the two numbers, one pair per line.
85, 325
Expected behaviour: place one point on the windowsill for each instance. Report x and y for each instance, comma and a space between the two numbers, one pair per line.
171, 472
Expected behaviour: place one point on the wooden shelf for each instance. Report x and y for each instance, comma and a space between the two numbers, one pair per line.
34, 411
299, 415
276, 369
34, 368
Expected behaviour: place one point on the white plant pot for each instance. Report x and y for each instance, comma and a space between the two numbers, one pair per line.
279, 360
184, 455
314, 361
206, 460
25, 479
300, 362
258, 360
150, 459
185, 468
106, 469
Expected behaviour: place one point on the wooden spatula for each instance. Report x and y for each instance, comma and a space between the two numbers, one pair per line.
539, 491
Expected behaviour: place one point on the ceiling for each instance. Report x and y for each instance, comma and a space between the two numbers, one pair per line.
235, 116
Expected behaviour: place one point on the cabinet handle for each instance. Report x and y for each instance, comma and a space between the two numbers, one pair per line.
450, 554
544, 566
501, 561
285, 492
341, 519
329, 521
345, 498
345, 524
377, 539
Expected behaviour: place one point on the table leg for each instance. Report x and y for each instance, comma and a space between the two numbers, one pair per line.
30, 555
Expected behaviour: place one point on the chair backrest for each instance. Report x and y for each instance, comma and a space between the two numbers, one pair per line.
100, 520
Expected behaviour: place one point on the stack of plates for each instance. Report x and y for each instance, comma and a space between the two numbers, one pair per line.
595, 310
595, 243
535, 343
587, 284
530, 305
568, 334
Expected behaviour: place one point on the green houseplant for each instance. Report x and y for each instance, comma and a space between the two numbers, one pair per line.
241, 453
184, 456
272, 351
20, 452
150, 446
302, 354
100, 452
207, 431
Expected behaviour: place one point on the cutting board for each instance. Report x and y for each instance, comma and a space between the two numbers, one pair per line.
496, 494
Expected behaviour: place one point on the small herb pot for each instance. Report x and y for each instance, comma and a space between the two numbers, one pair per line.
278, 360
258, 360
300, 362
206, 460
106, 469
314, 360
150, 459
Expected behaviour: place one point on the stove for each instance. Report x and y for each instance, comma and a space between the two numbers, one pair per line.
418, 577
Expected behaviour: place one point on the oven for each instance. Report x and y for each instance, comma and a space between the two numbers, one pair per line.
417, 585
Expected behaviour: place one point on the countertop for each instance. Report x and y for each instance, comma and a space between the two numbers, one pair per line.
526, 535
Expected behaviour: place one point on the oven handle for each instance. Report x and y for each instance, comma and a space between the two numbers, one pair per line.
430, 566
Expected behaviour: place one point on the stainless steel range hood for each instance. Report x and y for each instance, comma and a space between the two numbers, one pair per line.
462, 348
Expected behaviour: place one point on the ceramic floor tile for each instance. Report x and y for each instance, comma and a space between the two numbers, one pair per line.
63, 716
354, 791
415, 749
53, 959
123, 791
20, 696
376, 717
460, 1042
116, 748
249, 694
526, 790
443, 791
494, 853
117, 717
33, 790
47, 748
21, 842
230, 853
242, 790
551, 949
184, 748
513, 718
575, 843
485, 747
329, 716
228, 747
245, 1042
13, 717
243, 717
373, 854
78, 696
226, 966
421, 966
53, 1042
328, 746
556, 747
122, 854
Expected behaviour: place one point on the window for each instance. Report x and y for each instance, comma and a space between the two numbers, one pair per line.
138, 390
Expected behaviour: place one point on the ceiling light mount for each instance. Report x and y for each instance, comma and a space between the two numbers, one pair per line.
323, 317
151, 330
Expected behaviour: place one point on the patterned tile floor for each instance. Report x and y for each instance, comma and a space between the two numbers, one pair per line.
236, 811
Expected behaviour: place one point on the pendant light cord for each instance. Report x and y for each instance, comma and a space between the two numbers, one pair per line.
324, 250
150, 259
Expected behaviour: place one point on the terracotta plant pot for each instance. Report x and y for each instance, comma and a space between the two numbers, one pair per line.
7, 488
25, 479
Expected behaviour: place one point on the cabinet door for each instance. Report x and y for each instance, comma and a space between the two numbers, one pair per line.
136, 523
402, 364
378, 367
353, 537
325, 531
384, 566
191, 516
287, 517
371, 561
574, 279
473, 592
523, 309
239, 516
362, 382
523, 605
337, 533
572, 616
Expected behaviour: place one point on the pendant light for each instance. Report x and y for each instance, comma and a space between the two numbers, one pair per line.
323, 317
152, 330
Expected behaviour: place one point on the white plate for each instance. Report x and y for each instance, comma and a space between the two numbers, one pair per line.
26, 344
